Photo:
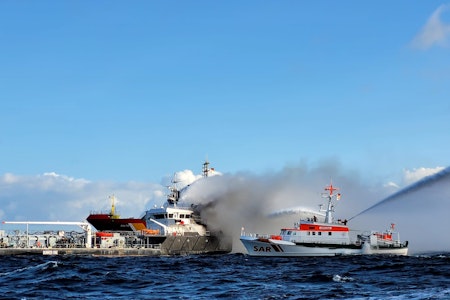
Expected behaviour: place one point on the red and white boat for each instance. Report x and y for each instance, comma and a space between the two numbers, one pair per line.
311, 237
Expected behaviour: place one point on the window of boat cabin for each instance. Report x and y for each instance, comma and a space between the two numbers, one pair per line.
181, 216
329, 233
170, 216
160, 216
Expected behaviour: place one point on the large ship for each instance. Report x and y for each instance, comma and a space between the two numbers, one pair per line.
328, 237
174, 228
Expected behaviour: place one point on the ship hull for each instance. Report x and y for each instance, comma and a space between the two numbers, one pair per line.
374, 250
269, 247
183, 245
103, 222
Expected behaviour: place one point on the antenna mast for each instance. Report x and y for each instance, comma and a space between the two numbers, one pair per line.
330, 207
206, 168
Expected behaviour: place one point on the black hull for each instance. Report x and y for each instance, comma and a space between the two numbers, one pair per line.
103, 222
112, 226
183, 245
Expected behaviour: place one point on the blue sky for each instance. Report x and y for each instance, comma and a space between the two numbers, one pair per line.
112, 90
116, 91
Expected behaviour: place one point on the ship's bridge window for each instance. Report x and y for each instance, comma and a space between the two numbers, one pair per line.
188, 216
181, 216
160, 216
329, 233
170, 216
289, 232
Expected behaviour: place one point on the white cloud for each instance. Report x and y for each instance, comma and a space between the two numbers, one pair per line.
9, 178
185, 177
411, 176
55, 197
391, 185
435, 32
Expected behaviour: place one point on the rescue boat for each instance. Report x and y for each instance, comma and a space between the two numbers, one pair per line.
314, 237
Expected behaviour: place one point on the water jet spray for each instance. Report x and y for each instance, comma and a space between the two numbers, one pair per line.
425, 182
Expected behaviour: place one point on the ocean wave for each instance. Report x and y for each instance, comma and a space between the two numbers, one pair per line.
39, 267
225, 276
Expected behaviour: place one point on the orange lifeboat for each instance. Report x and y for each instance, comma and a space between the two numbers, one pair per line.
150, 231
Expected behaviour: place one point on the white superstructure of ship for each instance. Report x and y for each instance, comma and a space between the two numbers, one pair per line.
179, 221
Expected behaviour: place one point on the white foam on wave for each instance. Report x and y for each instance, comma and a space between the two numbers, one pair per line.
339, 278
43, 266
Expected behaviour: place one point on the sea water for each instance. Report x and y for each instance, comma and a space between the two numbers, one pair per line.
231, 276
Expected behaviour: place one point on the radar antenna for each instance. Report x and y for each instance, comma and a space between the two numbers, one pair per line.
174, 194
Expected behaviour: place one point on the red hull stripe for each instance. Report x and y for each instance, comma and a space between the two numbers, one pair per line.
325, 227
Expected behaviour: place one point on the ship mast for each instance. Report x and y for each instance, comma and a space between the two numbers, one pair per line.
206, 168
330, 208
112, 213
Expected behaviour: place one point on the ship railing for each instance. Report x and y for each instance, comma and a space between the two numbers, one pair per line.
382, 239
41, 239
392, 243
256, 235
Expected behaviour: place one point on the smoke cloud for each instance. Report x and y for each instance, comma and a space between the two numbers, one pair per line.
265, 203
